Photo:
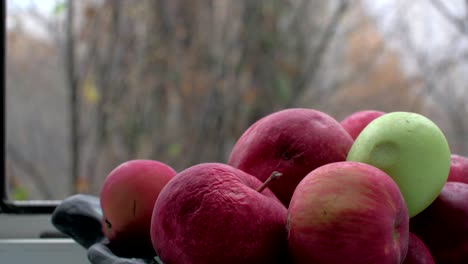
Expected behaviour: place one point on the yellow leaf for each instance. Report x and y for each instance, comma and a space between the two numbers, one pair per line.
90, 92
82, 185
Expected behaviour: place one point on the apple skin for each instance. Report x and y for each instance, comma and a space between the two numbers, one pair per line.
127, 199
458, 169
347, 212
418, 253
443, 226
412, 150
292, 141
357, 121
212, 213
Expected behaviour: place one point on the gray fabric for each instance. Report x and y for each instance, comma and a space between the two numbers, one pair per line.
79, 216
99, 253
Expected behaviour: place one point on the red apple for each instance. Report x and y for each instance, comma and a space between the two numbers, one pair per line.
347, 212
357, 121
417, 251
292, 141
443, 226
127, 199
213, 213
458, 169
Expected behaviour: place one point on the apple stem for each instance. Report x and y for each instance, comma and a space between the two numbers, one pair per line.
273, 177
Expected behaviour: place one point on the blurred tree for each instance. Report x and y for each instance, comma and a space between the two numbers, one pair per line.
179, 81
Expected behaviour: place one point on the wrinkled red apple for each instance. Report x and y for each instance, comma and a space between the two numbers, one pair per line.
213, 213
458, 169
293, 142
347, 212
357, 121
127, 199
443, 226
417, 252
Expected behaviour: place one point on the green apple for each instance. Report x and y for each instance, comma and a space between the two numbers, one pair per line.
412, 150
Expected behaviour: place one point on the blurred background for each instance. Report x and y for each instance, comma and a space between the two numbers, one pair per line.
93, 83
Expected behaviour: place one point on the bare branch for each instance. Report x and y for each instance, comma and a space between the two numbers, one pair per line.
74, 98
460, 24
312, 65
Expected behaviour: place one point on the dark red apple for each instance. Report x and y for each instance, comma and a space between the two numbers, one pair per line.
357, 121
418, 253
213, 213
458, 169
292, 141
347, 212
127, 199
443, 226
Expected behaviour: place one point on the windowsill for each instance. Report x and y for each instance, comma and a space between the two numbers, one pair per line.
41, 251
24, 226
20, 242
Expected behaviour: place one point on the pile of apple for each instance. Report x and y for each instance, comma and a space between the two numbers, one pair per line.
300, 187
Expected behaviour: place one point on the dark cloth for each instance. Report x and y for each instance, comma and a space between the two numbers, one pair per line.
79, 216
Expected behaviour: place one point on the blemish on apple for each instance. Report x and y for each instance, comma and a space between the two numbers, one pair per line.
385, 154
108, 224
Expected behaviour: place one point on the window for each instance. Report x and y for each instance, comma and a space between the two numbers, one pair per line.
90, 84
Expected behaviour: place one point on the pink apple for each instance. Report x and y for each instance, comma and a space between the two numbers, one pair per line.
443, 226
347, 212
458, 169
292, 141
417, 251
357, 121
127, 199
213, 213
